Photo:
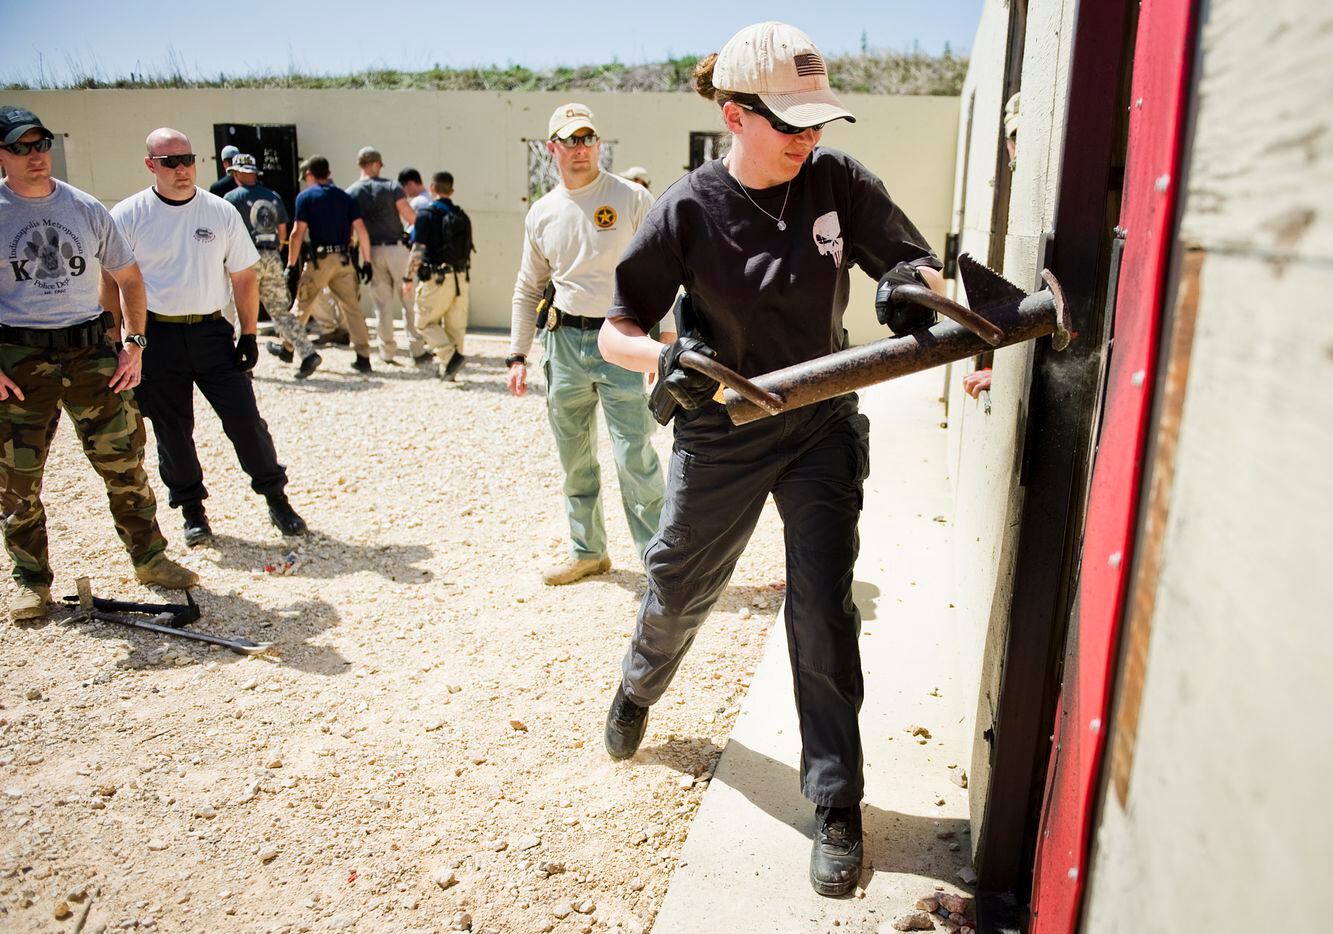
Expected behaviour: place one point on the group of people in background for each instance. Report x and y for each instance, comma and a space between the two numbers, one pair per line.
745, 260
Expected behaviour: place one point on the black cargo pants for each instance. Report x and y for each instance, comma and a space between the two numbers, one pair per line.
814, 461
178, 358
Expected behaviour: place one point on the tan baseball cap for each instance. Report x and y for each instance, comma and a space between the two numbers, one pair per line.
567, 119
781, 65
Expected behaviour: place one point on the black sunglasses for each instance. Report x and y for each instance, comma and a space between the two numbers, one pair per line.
171, 162
573, 142
22, 149
780, 125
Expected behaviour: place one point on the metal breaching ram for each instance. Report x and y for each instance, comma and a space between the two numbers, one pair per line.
1002, 314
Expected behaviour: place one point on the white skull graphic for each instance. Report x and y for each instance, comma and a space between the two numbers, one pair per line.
828, 236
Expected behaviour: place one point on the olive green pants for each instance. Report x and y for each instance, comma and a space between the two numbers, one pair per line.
112, 433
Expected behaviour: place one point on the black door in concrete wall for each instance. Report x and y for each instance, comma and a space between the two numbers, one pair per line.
274, 147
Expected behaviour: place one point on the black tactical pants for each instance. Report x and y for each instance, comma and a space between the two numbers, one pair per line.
814, 461
178, 358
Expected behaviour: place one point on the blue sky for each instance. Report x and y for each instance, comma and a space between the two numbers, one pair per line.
113, 38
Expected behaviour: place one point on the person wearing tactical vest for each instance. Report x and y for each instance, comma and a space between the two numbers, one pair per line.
56, 352
441, 256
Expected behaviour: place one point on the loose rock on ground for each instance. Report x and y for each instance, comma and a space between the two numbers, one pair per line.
419, 664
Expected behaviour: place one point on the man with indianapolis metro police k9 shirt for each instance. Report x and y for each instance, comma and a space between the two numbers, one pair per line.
189, 244
56, 352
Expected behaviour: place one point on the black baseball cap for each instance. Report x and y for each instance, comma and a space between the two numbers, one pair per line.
15, 121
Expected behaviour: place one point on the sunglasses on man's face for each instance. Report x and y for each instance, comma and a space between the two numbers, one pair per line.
172, 162
22, 149
780, 125
573, 142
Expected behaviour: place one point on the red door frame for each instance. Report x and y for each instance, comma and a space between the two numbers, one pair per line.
1162, 65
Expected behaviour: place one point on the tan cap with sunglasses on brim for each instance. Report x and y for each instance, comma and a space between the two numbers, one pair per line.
568, 119
15, 121
780, 65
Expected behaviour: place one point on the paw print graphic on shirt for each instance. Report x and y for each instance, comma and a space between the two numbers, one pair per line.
50, 253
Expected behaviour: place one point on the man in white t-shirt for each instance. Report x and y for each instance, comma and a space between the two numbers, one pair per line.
573, 238
193, 249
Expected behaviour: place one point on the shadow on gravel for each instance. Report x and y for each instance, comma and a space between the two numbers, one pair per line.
394, 562
686, 755
290, 629
894, 842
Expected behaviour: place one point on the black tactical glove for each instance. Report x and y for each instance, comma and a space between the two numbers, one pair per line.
893, 309
689, 388
247, 352
293, 280
366, 272
677, 387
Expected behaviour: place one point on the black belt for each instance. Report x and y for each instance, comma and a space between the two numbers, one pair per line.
578, 321
184, 319
326, 250
267, 247
86, 334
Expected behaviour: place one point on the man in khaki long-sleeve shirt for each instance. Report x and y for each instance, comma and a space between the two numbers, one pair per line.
573, 238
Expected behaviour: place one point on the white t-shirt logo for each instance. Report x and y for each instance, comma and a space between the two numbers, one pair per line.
828, 237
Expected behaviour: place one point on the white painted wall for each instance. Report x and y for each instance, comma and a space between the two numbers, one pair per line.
984, 446
1227, 809
478, 136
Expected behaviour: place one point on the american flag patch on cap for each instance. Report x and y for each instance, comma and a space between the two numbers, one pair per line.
809, 63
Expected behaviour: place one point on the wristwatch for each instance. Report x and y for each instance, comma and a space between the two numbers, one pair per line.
516, 358
136, 339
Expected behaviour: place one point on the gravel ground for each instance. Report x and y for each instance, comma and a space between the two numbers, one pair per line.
421, 749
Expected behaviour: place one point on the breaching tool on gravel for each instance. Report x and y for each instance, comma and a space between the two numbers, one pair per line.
169, 619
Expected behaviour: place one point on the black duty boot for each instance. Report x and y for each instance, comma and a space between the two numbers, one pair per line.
625, 725
279, 351
835, 857
361, 364
454, 365
284, 516
197, 529
309, 365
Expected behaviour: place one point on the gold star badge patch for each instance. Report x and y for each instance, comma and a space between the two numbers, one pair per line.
604, 217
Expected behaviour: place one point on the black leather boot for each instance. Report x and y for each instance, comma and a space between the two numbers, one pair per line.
197, 529
835, 857
625, 725
284, 516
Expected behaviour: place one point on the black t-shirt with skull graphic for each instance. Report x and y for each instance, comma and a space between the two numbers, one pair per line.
764, 297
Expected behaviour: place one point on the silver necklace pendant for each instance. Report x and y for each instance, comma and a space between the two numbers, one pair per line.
782, 225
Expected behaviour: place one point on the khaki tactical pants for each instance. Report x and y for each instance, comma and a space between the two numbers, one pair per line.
113, 436
390, 265
336, 273
442, 314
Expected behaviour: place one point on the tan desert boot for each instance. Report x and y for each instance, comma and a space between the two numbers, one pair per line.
164, 572
29, 602
575, 569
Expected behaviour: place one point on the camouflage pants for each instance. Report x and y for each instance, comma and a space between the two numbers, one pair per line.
113, 437
278, 303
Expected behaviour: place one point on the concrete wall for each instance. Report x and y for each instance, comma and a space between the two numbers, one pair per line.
985, 435
477, 135
1226, 802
